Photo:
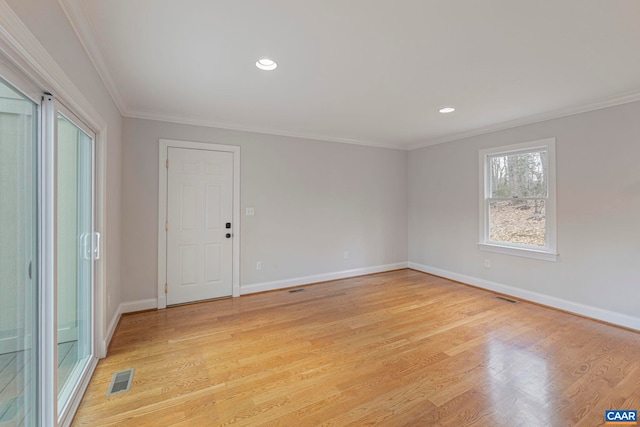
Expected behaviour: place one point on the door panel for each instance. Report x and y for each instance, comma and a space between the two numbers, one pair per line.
199, 204
212, 263
214, 207
19, 351
188, 207
189, 265
75, 242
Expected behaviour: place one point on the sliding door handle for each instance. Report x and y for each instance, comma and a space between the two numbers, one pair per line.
96, 246
86, 246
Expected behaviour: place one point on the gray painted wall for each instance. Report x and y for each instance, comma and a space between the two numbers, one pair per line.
598, 194
313, 201
46, 20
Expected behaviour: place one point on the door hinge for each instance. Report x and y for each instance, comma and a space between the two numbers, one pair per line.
166, 288
166, 226
167, 163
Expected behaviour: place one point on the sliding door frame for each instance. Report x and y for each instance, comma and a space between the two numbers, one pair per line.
51, 109
27, 65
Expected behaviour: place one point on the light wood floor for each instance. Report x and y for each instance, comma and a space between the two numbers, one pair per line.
398, 348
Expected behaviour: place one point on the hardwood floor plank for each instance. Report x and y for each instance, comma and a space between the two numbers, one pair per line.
398, 348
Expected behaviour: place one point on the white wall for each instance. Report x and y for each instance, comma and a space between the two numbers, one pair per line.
313, 201
598, 193
46, 20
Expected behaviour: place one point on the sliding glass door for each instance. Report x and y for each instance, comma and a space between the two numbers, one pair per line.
19, 350
77, 248
48, 252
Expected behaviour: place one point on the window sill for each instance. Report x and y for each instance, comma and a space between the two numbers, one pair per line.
523, 252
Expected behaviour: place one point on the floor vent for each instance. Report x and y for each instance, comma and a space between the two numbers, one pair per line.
512, 301
120, 382
293, 291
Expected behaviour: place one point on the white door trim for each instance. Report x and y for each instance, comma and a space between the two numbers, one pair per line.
162, 210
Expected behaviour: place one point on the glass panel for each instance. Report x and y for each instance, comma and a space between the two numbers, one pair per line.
518, 221
519, 175
75, 261
18, 262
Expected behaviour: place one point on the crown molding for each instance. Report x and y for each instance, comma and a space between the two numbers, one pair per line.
196, 121
86, 35
556, 114
26, 52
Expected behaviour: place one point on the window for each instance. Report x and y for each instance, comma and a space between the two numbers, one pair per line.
517, 200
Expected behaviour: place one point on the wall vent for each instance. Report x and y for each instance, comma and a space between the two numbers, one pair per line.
121, 382
512, 301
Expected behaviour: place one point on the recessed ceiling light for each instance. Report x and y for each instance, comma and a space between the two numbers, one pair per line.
446, 110
266, 64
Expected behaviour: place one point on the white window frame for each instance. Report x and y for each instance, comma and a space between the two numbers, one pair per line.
549, 251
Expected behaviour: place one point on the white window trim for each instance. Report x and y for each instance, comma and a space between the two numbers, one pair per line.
546, 253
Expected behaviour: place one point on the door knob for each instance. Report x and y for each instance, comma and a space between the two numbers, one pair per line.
228, 235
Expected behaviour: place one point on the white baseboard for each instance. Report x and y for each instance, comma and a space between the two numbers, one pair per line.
110, 331
559, 303
125, 307
299, 281
140, 305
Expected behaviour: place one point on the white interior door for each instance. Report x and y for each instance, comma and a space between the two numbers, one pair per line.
199, 228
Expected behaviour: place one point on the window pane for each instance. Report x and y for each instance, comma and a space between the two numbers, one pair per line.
517, 221
75, 262
519, 175
18, 262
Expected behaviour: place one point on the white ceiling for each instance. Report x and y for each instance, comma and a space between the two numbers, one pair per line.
363, 71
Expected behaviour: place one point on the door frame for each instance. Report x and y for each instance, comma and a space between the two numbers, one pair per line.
164, 146
28, 66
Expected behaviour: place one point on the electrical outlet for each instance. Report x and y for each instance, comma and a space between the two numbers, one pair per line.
487, 263
250, 211
259, 265
346, 255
